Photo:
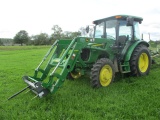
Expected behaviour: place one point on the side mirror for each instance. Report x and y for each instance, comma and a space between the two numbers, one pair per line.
87, 29
130, 21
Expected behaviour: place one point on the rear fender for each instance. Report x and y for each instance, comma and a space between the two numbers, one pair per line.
131, 49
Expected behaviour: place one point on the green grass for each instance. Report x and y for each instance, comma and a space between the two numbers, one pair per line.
128, 98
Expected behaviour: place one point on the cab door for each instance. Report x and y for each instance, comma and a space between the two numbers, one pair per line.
125, 34
124, 38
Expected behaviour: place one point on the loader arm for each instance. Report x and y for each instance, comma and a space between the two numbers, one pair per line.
61, 62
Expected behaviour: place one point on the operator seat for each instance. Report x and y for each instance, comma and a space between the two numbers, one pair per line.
122, 40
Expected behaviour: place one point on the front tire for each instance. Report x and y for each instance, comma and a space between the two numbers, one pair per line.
74, 75
102, 73
140, 61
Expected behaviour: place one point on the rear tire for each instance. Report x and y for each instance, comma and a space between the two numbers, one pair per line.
140, 61
102, 73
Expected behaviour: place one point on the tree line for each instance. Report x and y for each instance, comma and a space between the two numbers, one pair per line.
22, 37
6, 41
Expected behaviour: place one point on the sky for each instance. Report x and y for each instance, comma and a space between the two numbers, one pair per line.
39, 16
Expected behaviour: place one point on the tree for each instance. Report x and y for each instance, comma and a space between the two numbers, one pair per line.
1, 43
83, 31
70, 35
41, 39
75, 34
21, 37
57, 32
66, 35
6, 41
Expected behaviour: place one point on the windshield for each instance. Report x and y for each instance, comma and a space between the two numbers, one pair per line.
99, 30
110, 30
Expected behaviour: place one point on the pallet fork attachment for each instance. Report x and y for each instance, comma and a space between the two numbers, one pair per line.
34, 87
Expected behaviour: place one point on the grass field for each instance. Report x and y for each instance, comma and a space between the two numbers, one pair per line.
135, 98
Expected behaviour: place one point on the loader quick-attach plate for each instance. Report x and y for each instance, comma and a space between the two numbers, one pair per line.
36, 87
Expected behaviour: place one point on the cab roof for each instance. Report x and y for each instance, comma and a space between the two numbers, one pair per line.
118, 17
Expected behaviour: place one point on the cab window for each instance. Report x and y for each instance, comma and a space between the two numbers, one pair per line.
111, 29
136, 31
99, 30
125, 30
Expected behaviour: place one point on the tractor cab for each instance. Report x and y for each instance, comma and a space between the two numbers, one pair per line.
120, 28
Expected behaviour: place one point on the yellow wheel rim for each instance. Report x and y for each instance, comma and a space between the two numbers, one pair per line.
143, 62
105, 76
75, 75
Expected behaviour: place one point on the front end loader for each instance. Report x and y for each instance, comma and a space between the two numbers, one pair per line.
116, 47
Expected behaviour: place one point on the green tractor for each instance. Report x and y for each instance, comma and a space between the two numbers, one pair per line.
116, 47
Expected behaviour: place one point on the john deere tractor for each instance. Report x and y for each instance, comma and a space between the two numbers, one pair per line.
116, 47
